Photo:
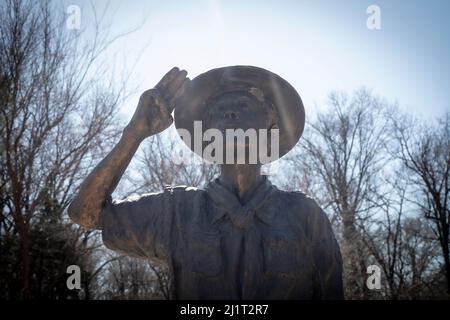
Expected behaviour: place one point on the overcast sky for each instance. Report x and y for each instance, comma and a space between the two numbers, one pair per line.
318, 46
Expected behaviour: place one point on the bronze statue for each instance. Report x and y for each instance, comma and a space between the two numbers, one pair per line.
240, 237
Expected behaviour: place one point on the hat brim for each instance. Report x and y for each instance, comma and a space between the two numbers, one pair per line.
191, 105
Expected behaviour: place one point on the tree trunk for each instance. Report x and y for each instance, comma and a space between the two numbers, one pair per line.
25, 258
446, 253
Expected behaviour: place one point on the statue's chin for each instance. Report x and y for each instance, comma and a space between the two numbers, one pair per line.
239, 149
238, 146
236, 153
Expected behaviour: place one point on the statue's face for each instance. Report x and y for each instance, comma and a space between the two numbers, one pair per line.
237, 110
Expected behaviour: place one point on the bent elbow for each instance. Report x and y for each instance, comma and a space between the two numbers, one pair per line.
82, 216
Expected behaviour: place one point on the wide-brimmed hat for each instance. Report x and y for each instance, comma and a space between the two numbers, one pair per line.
192, 104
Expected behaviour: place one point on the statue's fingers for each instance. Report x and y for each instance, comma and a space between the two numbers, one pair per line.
179, 92
167, 79
175, 84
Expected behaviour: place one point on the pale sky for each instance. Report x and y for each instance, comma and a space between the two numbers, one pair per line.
317, 46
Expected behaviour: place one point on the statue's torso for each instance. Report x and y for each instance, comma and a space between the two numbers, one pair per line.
277, 252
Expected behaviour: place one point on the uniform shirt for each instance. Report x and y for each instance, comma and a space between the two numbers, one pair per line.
279, 245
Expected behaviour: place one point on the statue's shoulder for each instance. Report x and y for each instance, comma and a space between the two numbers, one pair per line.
177, 191
305, 214
183, 191
181, 188
302, 205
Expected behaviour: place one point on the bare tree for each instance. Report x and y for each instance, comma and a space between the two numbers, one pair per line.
424, 150
340, 159
382, 235
131, 278
55, 116
399, 243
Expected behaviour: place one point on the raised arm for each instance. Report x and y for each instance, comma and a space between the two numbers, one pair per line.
152, 116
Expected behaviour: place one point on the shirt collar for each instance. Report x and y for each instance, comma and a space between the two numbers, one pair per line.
226, 202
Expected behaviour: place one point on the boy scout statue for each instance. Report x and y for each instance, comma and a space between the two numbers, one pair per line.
240, 237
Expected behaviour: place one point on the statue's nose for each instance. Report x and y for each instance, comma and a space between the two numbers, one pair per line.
233, 115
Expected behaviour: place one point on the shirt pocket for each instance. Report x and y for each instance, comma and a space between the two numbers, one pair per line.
206, 253
285, 254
